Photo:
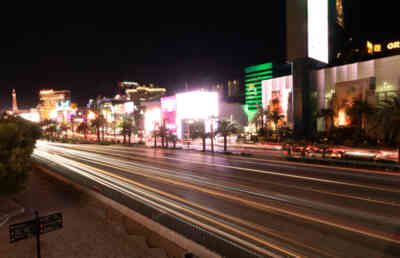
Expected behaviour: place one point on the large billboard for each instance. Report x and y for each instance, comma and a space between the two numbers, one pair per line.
195, 105
168, 109
318, 30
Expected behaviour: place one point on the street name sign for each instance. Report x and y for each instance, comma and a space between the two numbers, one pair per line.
27, 229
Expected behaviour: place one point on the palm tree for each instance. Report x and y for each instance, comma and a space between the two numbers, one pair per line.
173, 138
126, 128
226, 128
51, 129
387, 117
275, 117
327, 114
259, 117
98, 122
49, 126
163, 133
155, 134
359, 111
198, 131
63, 128
83, 128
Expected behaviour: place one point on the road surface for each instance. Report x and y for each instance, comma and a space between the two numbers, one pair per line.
273, 208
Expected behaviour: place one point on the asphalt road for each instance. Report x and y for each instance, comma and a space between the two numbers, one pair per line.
271, 207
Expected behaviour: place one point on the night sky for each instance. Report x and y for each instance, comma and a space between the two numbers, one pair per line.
90, 58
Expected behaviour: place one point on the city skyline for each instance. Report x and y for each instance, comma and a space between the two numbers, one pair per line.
96, 56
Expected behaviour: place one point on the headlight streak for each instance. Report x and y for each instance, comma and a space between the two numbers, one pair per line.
271, 173
343, 227
112, 182
166, 172
112, 163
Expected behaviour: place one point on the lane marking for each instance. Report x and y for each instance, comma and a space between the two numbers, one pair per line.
269, 208
208, 227
268, 172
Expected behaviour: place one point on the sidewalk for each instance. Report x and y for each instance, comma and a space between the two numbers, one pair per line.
84, 234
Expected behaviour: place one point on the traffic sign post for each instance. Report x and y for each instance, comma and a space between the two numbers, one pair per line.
35, 227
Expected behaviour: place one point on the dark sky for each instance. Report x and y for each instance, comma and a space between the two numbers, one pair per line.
89, 58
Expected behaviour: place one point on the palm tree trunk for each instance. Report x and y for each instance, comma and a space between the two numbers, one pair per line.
162, 142
326, 124
98, 133
398, 153
155, 142
225, 143
124, 141
204, 144
129, 138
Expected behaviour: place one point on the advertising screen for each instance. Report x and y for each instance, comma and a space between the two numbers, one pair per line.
168, 109
197, 105
318, 30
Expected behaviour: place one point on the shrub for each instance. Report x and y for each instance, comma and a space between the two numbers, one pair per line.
17, 141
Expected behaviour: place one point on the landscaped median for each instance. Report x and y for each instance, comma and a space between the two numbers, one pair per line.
343, 156
348, 162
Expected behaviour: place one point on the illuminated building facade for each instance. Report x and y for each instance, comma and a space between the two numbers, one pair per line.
254, 75
184, 108
228, 91
142, 92
48, 102
372, 81
315, 35
28, 114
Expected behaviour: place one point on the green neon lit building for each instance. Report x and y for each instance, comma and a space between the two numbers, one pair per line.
254, 75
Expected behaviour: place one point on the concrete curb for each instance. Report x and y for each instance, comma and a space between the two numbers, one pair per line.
172, 236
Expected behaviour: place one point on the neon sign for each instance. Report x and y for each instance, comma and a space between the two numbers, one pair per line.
393, 45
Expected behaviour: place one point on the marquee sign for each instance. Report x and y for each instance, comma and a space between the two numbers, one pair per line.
373, 48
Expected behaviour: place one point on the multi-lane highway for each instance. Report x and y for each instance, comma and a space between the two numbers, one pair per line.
271, 207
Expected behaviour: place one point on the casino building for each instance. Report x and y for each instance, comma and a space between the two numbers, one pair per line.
371, 81
318, 78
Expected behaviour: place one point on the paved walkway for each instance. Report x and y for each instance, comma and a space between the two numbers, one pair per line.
82, 235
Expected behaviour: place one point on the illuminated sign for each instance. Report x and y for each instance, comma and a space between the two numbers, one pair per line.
393, 45
168, 104
46, 92
197, 105
318, 30
381, 47
63, 105
152, 120
129, 107
377, 48
370, 47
